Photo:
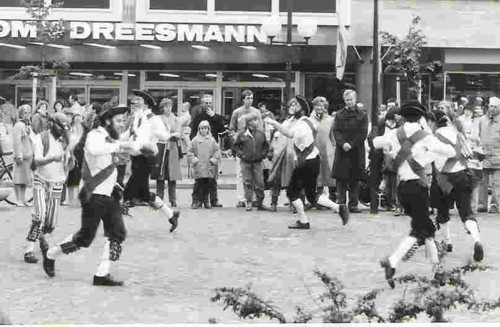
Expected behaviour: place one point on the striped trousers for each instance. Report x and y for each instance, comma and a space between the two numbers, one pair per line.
46, 203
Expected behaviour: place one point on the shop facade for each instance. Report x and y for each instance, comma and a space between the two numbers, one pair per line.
186, 48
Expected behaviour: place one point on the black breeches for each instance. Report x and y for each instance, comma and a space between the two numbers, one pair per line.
138, 184
415, 201
107, 209
304, 178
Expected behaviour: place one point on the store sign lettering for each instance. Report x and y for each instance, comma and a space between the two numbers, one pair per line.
145, 32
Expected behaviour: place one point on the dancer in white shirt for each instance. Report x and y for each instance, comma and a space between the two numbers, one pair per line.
49, 176
305, 174
414, 149
455, 183
100, 198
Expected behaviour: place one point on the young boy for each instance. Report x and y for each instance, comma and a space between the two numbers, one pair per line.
251, 147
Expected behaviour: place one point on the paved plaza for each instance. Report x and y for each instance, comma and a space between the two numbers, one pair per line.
170, 278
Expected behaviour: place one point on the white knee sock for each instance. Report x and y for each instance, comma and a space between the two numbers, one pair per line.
56, 250
401, 251
431, 250
160, 205
103, 268
473, 229
446, 231
326, 202
299, 206
30, 247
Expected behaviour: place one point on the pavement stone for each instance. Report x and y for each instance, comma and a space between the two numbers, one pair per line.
170, 277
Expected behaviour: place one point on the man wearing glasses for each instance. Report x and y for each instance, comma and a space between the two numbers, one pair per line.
50, 173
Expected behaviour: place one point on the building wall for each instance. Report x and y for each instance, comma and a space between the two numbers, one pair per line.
446, 23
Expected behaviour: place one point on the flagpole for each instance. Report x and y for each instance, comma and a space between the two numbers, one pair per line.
374, 169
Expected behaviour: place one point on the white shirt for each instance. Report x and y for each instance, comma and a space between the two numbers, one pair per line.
54, 171
98, 153
450, 133
424, 152
150, 131
303, 137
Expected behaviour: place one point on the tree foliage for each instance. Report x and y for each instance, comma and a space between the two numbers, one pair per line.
404, 54
47, 31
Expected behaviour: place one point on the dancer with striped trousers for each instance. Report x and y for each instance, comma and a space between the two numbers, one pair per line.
49, 149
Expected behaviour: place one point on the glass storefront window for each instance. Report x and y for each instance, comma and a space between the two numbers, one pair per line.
172, 76
81, 75
319, 6
63, 93
94, 4
194, 96
328, 86
255, 77
103, 94
271, 97
232, 5
472, 85
178, 4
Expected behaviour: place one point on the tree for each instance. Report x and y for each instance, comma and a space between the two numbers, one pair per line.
404, 55
47, 31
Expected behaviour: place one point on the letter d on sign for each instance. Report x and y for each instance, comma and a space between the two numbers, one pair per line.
80, 30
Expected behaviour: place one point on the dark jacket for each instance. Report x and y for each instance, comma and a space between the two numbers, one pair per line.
216, 125
350, 126
251, 148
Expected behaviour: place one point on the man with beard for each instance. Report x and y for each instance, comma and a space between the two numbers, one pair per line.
100, 198
49, 176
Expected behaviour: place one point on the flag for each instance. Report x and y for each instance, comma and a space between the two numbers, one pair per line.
341, 58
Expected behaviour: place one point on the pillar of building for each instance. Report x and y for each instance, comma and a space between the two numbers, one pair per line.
364, 82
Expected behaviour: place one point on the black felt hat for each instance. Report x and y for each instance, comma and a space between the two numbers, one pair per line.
110, 113
148, 98
413, 109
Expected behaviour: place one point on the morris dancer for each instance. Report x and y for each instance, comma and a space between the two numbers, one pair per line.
307, 165
414, 149
100, 198
455, 183
49, 151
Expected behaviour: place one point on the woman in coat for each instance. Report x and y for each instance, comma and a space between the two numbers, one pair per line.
23, 154
350, 131
167, 166
324, 123
41, 117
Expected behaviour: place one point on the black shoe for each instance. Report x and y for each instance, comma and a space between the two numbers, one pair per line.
207, 205
263, 208
174, 220
449, 247
29, 257
482, 209
343, 213
389, 271
196, 205
173, 204
299, 225
106, 281
308, 207
255, 204
354, 210
478, 251
241, 204
273, 207
49, 266
216, 205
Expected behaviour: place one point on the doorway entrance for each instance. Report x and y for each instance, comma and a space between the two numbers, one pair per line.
271, 97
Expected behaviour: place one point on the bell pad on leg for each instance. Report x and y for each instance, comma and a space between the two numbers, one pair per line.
69, 247
35, 230
115, 250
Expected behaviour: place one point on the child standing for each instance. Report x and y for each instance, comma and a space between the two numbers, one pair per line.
251, 147
204, 155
